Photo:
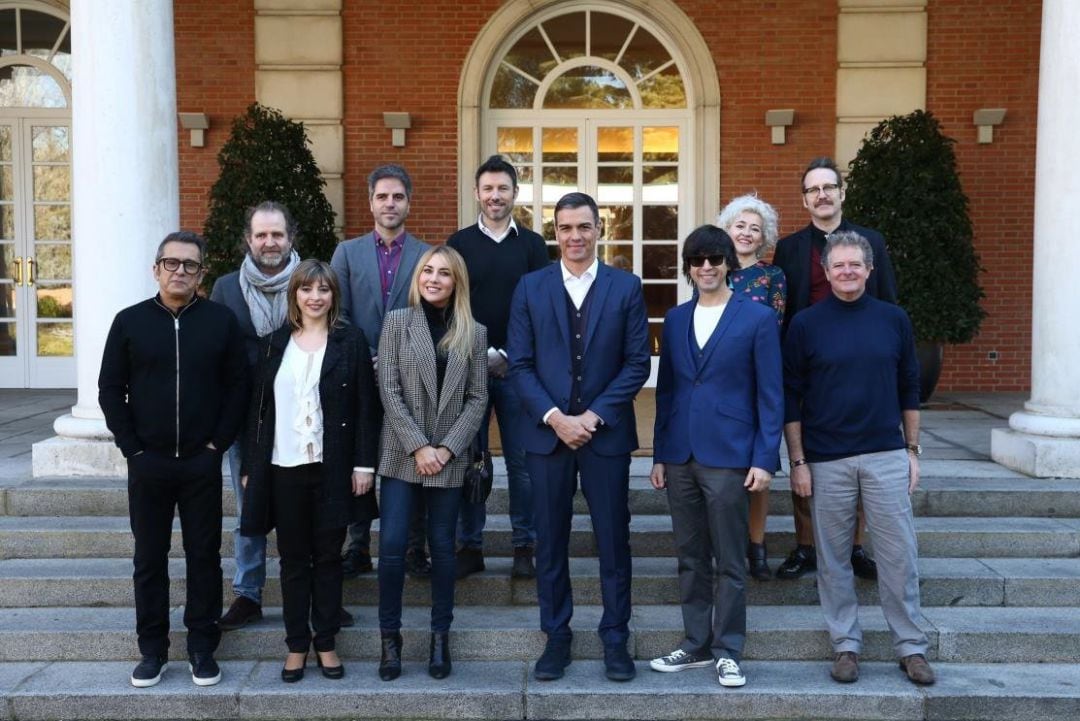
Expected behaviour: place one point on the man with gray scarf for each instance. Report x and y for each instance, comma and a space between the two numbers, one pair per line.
257, 295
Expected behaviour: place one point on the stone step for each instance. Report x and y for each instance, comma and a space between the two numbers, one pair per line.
945, 495
949, 537
496, 691
777, 633
944, 582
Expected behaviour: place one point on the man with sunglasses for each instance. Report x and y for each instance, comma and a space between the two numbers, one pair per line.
173, 388
799, 256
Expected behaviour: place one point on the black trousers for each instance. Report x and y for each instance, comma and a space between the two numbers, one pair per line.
157, 486
311, 574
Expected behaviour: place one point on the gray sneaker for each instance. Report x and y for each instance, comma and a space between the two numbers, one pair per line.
728, 673
679, 660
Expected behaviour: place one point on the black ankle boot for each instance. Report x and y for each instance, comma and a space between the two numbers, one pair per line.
757, 556
439, 665
390, 658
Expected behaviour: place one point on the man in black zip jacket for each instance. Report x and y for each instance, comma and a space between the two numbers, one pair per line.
173, 388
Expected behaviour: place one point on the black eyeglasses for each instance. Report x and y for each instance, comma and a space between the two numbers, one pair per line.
191, 267
699, 260
827, 189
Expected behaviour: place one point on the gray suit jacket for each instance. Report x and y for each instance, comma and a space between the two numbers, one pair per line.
227, 292
416, 413
357, 269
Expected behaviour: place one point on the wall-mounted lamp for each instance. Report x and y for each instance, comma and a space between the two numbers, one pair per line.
197, 123
398, 123
778, 120
985, 119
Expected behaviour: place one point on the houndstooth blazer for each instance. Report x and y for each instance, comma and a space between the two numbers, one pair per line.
415, 417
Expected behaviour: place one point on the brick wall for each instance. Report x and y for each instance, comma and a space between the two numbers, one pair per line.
783, 56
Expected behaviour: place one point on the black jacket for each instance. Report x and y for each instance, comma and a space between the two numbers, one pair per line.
171, 383
351, 414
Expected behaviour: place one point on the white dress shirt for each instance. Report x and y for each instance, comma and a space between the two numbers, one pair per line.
491, 234
298, 421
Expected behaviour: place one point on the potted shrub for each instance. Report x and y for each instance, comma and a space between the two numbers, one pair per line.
266, 158
903, 183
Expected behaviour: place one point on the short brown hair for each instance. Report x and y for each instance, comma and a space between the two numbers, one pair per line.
312, 271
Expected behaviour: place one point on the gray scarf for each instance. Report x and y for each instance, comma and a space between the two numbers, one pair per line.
265, 296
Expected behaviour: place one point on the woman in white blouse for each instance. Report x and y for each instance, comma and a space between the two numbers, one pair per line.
309, 458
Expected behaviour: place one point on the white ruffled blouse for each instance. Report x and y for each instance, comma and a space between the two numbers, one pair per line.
298, 424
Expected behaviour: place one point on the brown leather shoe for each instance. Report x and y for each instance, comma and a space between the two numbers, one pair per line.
242, 612
917, 669
845, 668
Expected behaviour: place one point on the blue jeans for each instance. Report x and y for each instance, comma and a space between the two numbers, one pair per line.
507, 406
396, 499
250, 551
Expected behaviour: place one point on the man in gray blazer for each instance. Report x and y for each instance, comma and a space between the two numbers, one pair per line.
256, 294
374, 272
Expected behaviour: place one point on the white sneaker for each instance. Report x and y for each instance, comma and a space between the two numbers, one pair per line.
679, 660
729, 673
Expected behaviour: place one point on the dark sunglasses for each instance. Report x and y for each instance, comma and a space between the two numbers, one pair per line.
699, 260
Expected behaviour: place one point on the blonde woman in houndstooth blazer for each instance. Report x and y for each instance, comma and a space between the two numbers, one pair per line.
433, 381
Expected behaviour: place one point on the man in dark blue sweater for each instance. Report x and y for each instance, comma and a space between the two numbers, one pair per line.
851, 384
497, 253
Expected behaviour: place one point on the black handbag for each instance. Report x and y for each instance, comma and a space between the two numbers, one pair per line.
479, 474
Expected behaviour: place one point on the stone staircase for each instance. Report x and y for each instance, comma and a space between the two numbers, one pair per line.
1000, 569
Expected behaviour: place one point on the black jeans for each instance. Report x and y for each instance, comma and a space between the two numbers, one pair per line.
157, 485
310, 559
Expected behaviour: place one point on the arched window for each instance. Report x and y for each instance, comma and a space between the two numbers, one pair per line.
594, 100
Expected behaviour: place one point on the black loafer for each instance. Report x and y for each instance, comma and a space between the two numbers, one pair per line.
757, 557
799, 561
862, 565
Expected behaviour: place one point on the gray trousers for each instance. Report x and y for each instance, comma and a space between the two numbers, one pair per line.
882, 480
709, 510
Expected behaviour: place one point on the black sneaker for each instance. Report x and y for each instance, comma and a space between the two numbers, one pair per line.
204, 669
354, 562
618, 666
469, 561
242, 612
417, 564
862, 565
149, 671
679, 660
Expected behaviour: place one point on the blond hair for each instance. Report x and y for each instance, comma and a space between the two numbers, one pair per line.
460, 329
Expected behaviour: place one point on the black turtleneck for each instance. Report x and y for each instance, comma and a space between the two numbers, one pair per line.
438, 320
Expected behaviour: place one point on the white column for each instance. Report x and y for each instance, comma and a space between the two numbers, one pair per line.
126, 198
1044, 439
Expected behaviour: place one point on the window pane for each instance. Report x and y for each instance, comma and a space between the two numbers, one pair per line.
52, 261
558, 182
615, 144
661, 184
52, 222
656, 332
525, 185
24, 86
659, 298
660, 145
511, 90
588, 87
7, 258
660, 261
54, 301
51, 144
547, 228
40, 32
615, 185
559, 145
52, 182
7, 299
617, 222
7, 339
55, 339
5, 143
661, 222
7, 222
567, 34
7, 33
532, 55
516, 144
644, 55
7, 184
523, 216
620, 255
609, 34
663, 90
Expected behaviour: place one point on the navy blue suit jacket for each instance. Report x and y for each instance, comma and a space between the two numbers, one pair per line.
616, 362
727, 408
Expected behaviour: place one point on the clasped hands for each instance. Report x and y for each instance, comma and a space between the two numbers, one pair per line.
431, 460
574, 431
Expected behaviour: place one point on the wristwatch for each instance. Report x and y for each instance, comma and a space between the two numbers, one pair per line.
915, 448
798, 462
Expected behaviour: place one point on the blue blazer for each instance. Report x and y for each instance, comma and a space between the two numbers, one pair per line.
725, 409
616, 362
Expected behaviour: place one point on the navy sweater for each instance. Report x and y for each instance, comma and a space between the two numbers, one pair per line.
849, 371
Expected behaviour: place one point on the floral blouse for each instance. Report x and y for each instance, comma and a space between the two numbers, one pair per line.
765, 284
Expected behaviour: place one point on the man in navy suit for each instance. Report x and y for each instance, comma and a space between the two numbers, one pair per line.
799, 256
579, 353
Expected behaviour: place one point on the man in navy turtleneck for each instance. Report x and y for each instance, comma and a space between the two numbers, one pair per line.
851, 386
